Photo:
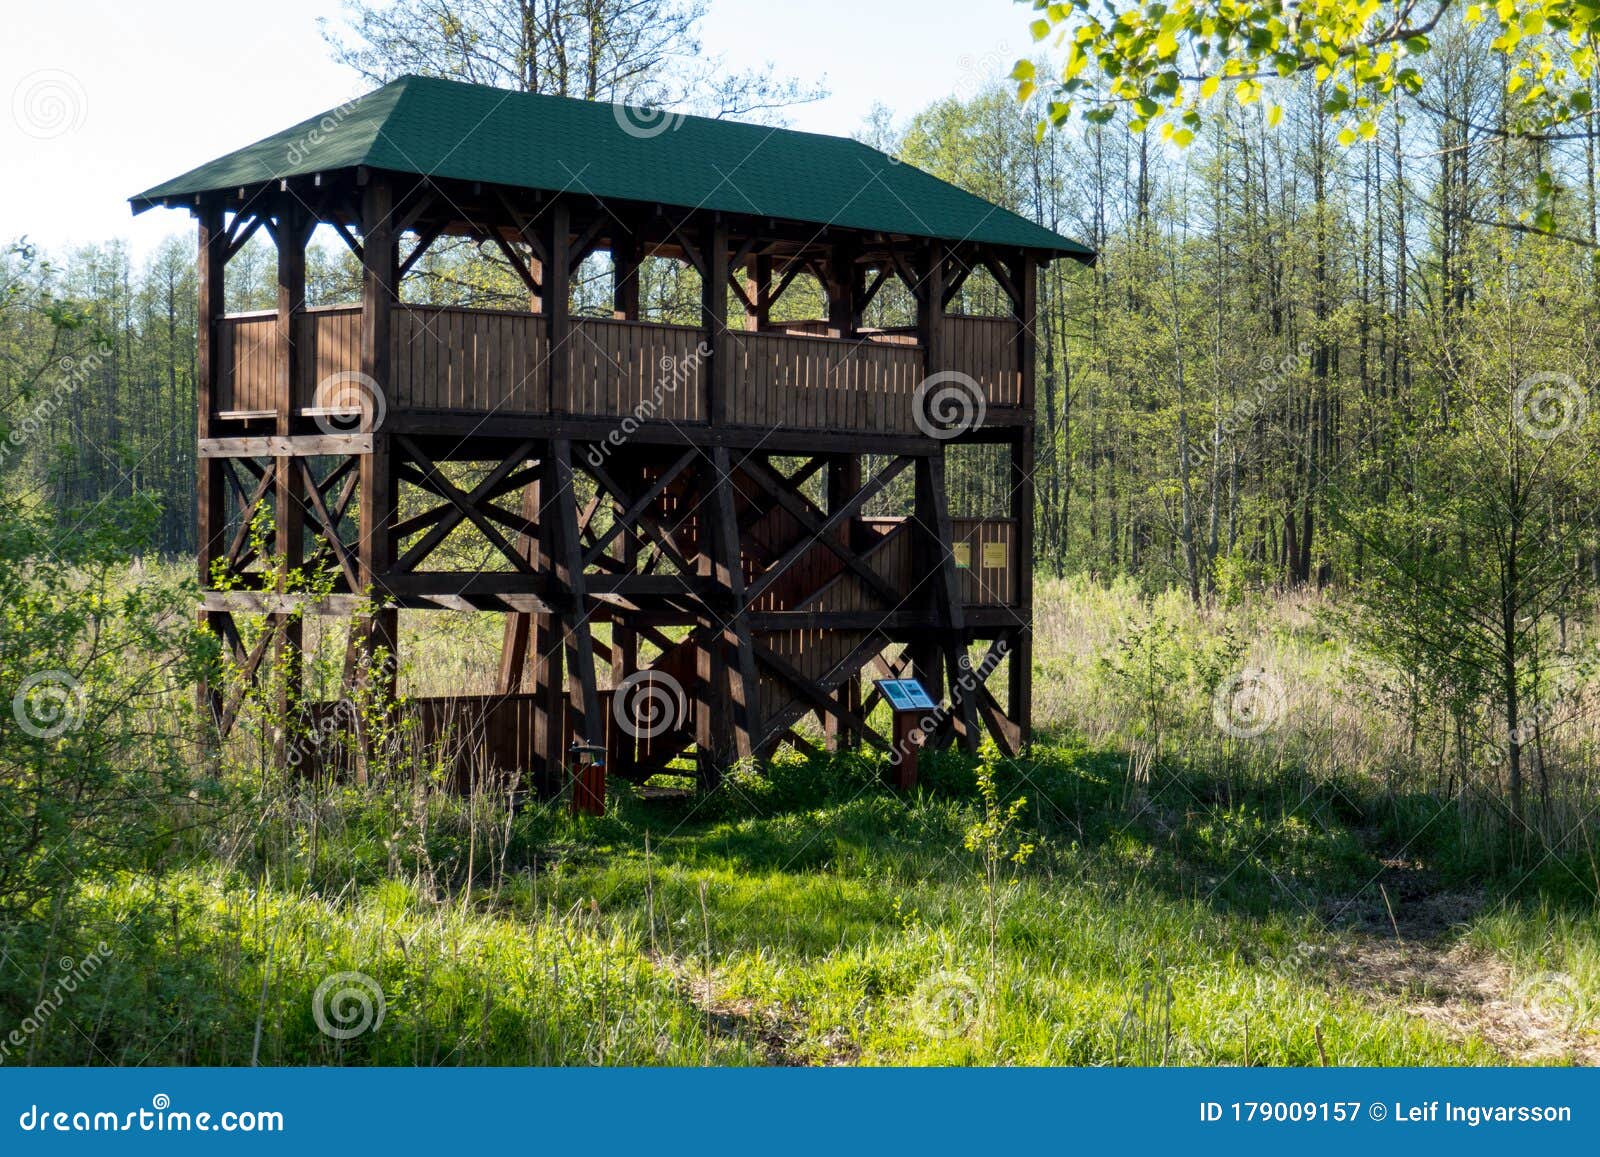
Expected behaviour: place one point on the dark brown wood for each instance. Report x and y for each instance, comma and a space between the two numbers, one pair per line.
1020, 656
210, 505
588, 723
555, 297
290, 231
624, 275
745, 688
379, 497
779, 603
714, 318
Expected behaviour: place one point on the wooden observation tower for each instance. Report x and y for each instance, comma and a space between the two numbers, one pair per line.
683, 511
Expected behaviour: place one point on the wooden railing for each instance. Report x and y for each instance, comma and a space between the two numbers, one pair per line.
986, 349
478, 360
494, 361
622, 368
823, 383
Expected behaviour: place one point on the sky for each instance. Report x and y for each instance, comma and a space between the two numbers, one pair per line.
107, 97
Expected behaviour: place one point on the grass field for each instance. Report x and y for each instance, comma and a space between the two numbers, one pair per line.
1299, 897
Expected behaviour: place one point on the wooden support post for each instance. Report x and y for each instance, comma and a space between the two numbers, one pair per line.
588, 724
557, 286
379, 483
623, 748
545, 646
930, 306
743, 687
843, 481
290, 233
624, 276
1020, 656
761, 296
514, 657
714, 319
844, 284
934, 514
211, 500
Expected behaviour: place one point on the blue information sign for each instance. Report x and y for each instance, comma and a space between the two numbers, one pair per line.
905, 694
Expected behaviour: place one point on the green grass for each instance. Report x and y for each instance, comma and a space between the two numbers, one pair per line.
808, 917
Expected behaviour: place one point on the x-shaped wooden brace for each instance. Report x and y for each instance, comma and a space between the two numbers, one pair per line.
476, 507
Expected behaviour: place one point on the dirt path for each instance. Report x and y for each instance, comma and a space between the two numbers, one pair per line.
1403, 946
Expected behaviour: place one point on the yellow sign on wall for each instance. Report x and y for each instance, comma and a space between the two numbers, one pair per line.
994, 555
962, 553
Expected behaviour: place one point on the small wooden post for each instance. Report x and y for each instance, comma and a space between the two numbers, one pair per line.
908, 736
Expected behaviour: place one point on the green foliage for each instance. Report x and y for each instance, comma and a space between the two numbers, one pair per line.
1163, 61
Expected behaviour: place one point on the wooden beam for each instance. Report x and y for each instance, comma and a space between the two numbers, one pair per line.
868, 492
624, 275
211, 498
811, 522
292, 446
291, 234
714, 319
555, 297
466, 506
744, 686
637, 508
588, 724
379, 497
934, 513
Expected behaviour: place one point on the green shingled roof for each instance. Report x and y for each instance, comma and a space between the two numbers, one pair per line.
471, 132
